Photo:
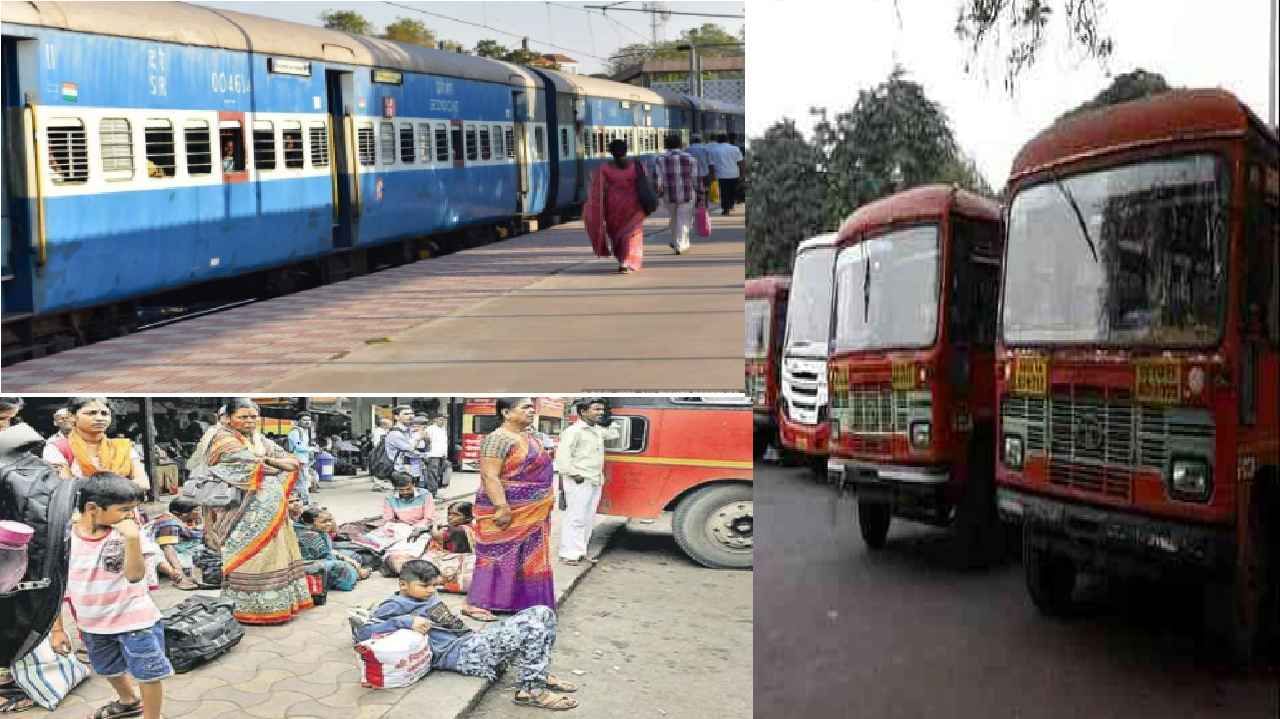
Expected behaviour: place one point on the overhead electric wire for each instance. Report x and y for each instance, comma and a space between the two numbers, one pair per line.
486, 26
614, 8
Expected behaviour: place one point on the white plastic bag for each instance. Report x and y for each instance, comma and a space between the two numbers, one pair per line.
47, 676
385, 536
393, 660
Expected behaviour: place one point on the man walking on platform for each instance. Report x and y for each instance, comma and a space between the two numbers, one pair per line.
677, 185
403, 445
580, 464
437, 455
702, 154
726, 161
302, 445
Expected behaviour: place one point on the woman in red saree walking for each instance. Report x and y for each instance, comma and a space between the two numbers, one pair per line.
613, 214
513, 517
262, 567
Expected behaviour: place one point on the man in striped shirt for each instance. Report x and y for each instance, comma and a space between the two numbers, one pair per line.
678, 187
109, 599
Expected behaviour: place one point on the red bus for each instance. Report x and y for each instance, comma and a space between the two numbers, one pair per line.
803, 411
765, 311
1138, 363
911, 369
690, 456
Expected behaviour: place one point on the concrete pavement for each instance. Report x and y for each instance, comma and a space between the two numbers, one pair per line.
536, 312
307, 669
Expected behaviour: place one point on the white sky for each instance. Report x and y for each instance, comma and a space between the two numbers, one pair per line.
804, 53
561, 23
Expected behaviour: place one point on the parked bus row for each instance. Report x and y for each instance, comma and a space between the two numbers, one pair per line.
1097, 361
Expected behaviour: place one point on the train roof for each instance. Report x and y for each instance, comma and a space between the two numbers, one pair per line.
827, 239
599, 87
767, 286
709, 105
918, 203
187, 24
1173, 115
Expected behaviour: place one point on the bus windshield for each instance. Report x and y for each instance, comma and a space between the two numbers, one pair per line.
757, 334
1133, 255
887, 291
809, 308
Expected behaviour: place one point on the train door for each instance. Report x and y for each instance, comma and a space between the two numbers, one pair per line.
19, 143
520, 112
580, 153
339, 85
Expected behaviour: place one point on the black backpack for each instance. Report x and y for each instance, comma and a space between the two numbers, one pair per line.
32, 492
209, 563
380, 465
199, 629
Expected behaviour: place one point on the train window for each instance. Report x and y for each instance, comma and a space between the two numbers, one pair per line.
364, 143
564, 142
387, 141
497, 142
633, 434
160, 148
407, 151
473, 152
486, 150
264, 145
540, 143
442, 143
232, 146
599, 142
195, 135
68, 151
117, 148
291, 140
424, 142
586, 139
455, 137
509, 137
319, 136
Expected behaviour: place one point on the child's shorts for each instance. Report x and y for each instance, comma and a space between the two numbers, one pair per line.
140, 653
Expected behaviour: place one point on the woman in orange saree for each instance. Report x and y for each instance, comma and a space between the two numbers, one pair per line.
613, 215
262, 567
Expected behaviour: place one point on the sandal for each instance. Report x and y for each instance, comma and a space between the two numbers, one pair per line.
119, 710
186, 584
15, 704
555, 683
546, 699
478, 614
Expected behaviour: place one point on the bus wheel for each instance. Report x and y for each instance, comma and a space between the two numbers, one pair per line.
873, 521
979, 536
1051, 579
759, 444
818, 466
714, 526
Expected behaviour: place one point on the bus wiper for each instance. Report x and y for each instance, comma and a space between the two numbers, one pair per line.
1084, 227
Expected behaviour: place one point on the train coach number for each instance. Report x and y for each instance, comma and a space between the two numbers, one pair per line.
222, 82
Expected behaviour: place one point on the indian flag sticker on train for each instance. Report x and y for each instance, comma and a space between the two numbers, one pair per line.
70, 92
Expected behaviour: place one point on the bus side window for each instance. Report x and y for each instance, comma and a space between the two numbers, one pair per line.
1260, 308
633, 434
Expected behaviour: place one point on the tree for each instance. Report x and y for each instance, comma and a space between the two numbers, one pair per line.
717, 40
1129, 86
410, 31
492, 49
346, 21
521, 56
788, 207
1025, 21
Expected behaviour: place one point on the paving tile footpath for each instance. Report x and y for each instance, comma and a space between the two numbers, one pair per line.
306, 669
537, 312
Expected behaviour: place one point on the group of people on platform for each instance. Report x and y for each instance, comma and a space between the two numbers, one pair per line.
267, 538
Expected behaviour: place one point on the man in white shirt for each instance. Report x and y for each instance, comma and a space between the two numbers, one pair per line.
437, 454
726, 163
379, 430
580, 464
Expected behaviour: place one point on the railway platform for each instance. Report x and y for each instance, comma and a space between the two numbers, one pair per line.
534, 313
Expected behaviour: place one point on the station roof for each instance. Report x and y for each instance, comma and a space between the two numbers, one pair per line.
187, 24
1173, 115
767, 286
918, 203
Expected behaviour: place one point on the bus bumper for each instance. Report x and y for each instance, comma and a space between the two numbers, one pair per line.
918, 493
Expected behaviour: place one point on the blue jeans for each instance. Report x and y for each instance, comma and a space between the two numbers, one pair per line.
140, 653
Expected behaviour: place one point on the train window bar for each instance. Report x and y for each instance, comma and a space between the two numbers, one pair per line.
364, 144
319, 135
195, 135
116, 138
564, 142
407, 152
442, 142
509, 138
540, 142
264, 145
161, 158
498, 154
456, 139
472, 151
424, 143
586, 140
486, 149
232, 141
291, 141
68, 151
387, 139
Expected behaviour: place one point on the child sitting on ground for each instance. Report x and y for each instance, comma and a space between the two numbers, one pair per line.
116, 615
178, 534
524, 639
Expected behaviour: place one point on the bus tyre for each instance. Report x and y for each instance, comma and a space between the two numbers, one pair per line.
759, 444
714, 526
979, 537
818, 466
873, 521
1242, 613
1051, 579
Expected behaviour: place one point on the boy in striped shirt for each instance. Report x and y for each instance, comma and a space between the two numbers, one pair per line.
109, 597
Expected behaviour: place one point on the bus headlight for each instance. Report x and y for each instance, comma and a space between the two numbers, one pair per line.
921, 435
1012, 451
1190, 478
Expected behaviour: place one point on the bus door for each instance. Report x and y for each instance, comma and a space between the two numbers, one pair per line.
520, 114
343, 171
637, 474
